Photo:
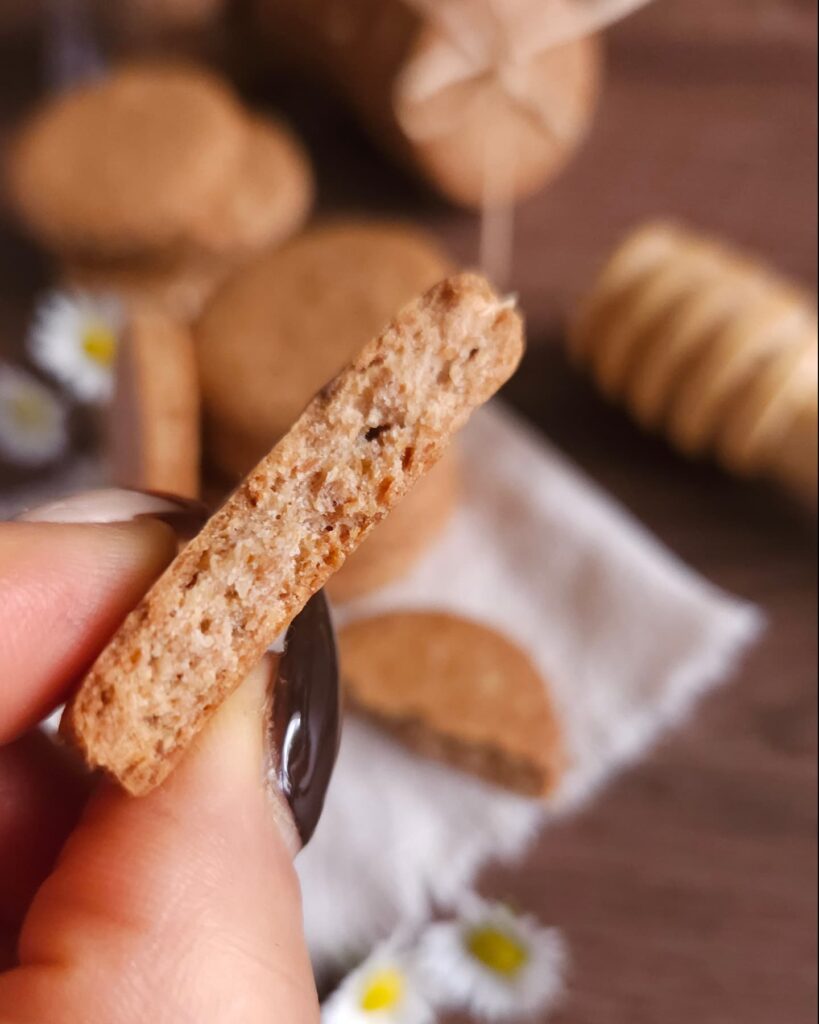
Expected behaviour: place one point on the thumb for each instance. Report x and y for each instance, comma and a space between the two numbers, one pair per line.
180, 907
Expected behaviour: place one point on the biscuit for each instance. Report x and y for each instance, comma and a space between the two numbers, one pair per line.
458, 692
178, 285
391, 551
705, 345
269, 200
154, 415
289, 320
264, 349
356, 450
127, 163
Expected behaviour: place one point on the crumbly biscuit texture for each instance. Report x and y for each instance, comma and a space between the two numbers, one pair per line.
392, 550
289, 320
457, 691
357, 449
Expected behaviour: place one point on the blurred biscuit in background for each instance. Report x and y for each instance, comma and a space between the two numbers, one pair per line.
709, 347
154, 418
154, 182
126, 164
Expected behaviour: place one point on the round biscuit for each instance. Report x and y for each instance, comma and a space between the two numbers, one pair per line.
270, 198
290, 320
458, 691
127, 163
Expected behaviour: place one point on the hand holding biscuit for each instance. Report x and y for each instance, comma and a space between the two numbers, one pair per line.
160, 908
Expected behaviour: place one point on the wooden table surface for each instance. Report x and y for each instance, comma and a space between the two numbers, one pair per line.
688, 891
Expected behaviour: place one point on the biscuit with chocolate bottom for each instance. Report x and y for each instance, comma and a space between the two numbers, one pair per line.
359, 446
458, 692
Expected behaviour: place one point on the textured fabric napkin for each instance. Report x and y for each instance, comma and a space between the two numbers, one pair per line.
627, 635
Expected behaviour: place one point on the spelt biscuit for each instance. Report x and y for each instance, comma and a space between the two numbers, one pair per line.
269, 200
128, 163
154, 415
292, 318
356, 450
391, 550
456, 691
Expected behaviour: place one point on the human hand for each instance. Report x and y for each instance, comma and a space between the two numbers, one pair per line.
182, 906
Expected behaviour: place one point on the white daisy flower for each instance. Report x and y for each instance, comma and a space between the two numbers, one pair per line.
492, 964
382, 991
75, 337
33, 427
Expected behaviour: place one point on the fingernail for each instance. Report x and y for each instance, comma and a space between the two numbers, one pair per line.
118, 505
304, 720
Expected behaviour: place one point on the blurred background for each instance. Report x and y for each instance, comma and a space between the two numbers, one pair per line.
689, 891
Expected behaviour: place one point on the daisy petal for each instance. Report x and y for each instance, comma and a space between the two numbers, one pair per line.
492, 964
383, 990
74, 337
33, 428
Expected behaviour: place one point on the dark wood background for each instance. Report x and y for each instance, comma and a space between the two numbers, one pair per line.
688, 892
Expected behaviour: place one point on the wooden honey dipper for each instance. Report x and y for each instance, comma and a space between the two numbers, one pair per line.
451, 86
716, 351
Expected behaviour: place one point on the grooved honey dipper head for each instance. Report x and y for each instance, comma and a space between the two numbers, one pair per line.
710, 348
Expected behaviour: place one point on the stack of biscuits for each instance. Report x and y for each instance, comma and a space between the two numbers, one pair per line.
711, 348
154, 182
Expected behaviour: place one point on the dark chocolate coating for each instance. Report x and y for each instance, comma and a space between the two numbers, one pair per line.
305, 724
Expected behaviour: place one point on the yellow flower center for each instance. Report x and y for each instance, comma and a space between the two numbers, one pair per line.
384, 991
29, 411
498, 951
99, 343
